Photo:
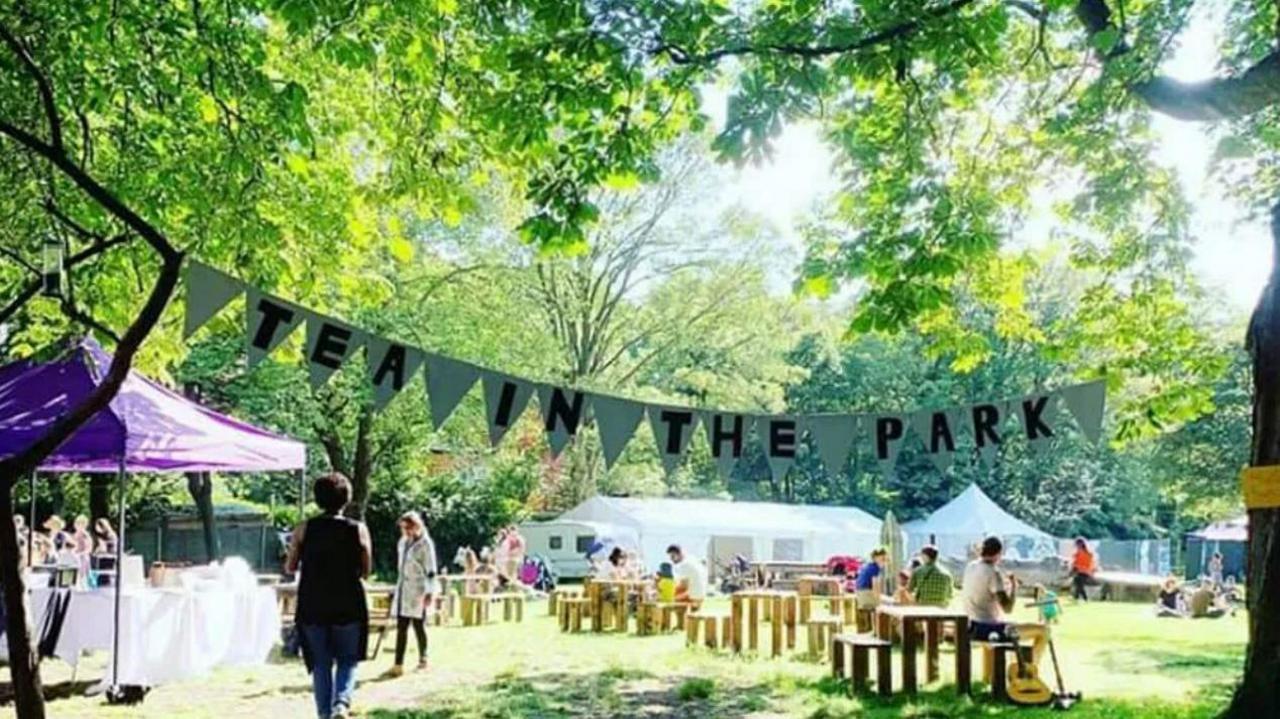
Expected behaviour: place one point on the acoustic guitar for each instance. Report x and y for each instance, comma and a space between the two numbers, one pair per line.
1025, 687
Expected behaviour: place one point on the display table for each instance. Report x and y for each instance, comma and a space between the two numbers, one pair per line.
166, 635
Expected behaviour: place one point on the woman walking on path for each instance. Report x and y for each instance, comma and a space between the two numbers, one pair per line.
335, 555
1084, 565
417, 574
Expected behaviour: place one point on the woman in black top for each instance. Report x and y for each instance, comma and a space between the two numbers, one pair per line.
333, 620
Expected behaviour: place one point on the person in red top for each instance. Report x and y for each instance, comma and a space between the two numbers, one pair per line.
1084, 565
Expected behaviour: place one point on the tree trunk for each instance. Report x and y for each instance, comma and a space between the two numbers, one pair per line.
1259, 692
200, 486
24, 663
361, 465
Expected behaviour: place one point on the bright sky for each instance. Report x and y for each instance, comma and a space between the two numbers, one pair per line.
1232, 256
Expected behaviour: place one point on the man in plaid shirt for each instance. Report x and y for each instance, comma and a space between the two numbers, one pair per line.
931, 585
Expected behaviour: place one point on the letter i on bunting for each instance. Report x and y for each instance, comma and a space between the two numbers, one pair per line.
448, 381
268, 321
616, 419
726, 436
208, 291
391, 366
563, 413
505, 399
330, 343
673, 427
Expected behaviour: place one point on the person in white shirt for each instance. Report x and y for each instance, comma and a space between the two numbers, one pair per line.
989, 596
690, 576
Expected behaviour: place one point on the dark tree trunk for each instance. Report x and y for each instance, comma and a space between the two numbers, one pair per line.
361, 466
1259, 692
200, 486
100, 496
23, 661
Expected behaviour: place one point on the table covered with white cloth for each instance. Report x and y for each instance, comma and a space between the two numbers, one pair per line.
167, 634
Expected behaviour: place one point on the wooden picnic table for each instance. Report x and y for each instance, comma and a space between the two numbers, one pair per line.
934, 619
767, 573
777, 607
596, 591
819, 587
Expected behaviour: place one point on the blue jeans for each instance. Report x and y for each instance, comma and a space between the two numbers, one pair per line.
335, 650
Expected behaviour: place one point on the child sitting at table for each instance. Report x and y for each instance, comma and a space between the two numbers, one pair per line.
666, 583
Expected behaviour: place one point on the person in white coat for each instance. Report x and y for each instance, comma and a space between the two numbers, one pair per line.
414, 587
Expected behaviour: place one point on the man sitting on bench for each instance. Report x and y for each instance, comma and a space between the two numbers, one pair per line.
690, 576
989, 596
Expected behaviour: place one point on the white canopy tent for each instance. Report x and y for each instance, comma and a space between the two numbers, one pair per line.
971, 517
762, 531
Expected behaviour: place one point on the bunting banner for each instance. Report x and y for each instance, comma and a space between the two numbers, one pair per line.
727, 438
833, 436
673, 427
936, 433
505, 399
391, 366
616, 420
564, 412
330, 343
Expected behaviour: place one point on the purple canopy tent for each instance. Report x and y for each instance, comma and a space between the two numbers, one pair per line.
145, 428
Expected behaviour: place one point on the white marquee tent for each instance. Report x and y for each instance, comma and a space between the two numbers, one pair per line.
719, 529
972, 517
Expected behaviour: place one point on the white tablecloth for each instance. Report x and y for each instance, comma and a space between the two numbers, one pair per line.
167, 635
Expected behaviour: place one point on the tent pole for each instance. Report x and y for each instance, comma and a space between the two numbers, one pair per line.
31, 523
302, 495
120, 534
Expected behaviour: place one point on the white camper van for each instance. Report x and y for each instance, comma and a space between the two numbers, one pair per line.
565, 543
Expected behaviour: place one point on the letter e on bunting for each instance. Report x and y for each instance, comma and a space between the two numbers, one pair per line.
330, 343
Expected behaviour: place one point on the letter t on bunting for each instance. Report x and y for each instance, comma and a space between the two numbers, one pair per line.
269, 321
673, 427
563, 412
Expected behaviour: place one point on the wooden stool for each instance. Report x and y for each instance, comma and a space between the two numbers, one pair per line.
513, 606
708, 623
848, 605
821, 630
862, 645
866, 620
475, 609
556, 595
571, 611
995, 660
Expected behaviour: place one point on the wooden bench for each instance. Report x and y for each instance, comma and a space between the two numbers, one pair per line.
380, 619
716, 629
861, 646
821, 630
512, 607
571, 610
655, 617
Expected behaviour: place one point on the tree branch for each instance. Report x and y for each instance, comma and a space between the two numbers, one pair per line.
42, 85
893, 32
1207, 101
33, 287
13, 255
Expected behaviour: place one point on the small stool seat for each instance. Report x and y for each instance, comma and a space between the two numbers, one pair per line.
475, 609
716, 629
570, 611
512, 607
862, 645
821, 630
556, 595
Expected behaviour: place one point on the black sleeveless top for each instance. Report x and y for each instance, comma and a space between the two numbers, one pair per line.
330, 591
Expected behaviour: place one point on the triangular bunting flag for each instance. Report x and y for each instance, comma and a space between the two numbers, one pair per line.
448, 381
1037, 418
208, 291
780, 436
616, 419
391, 366
1086, 402
268, 322
833, 436
329, 344
673, 427
505, 399
727, 438
887, 432
937, 430
564, 412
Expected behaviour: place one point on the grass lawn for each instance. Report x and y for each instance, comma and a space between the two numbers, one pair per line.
1128, 664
